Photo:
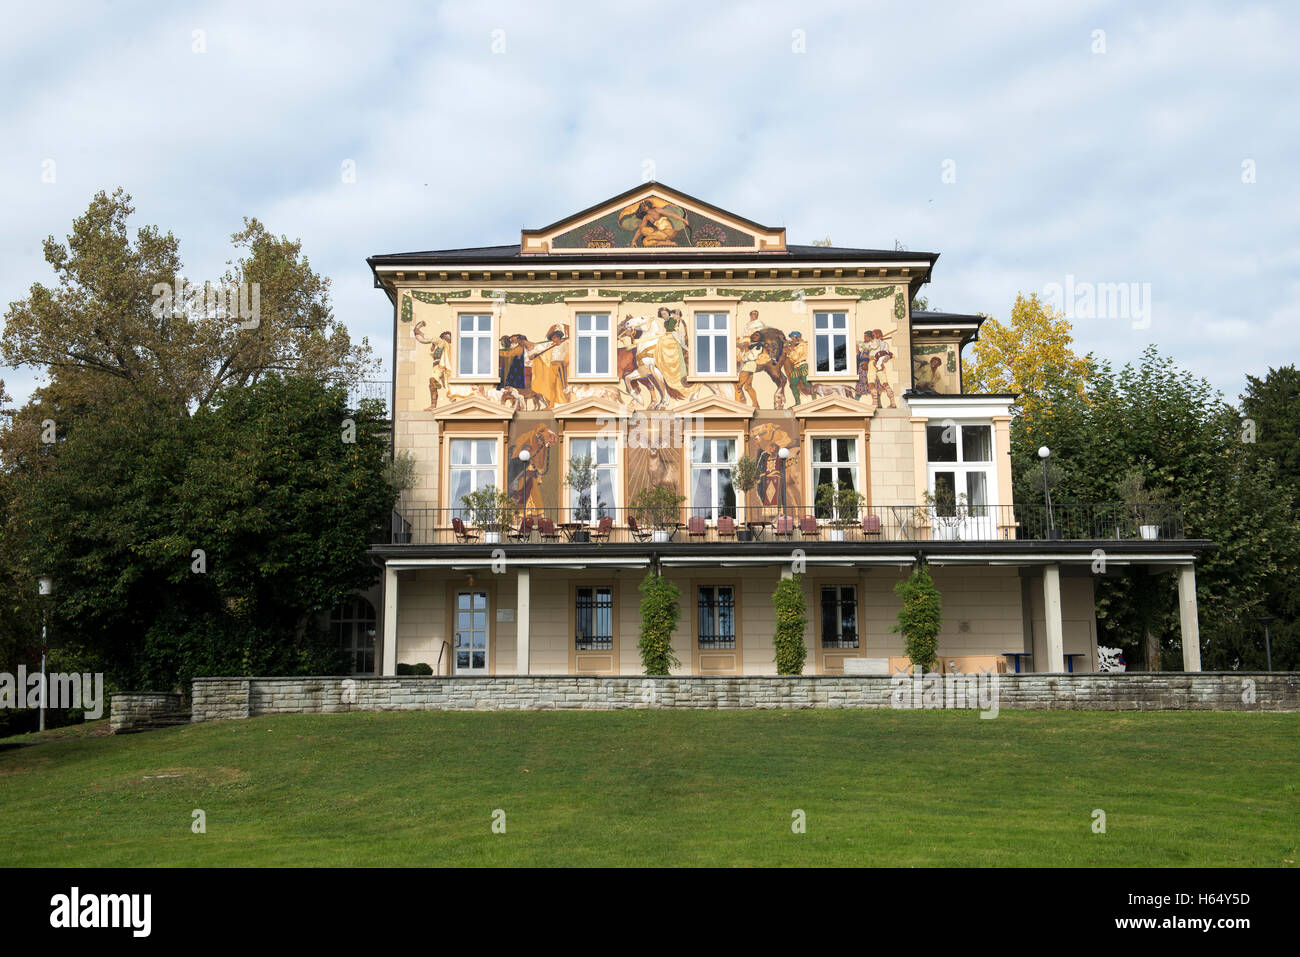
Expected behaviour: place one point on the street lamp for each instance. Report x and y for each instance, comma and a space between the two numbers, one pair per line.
45, 586
783, 454
1266, 620
1043, 453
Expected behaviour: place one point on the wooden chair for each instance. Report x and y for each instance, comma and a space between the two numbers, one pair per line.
697, 526
525, 530
871, 526
726, 526
464, 535
601, 532
638, 533
546, 529
809, 528
783, 526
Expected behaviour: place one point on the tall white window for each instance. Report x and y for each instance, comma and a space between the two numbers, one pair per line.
712, 343
473, 466
712, 493
600, 500
595, 344
834, 463
476, 352
961, 464
831, 332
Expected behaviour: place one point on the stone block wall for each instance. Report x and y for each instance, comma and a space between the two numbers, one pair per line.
136, 710
220, 698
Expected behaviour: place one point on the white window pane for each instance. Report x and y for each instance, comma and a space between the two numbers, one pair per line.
460, 451
466, 323
727, 450
584, 355
467, 355
719, 354
484, 352
602, 355
486, 452
977, 443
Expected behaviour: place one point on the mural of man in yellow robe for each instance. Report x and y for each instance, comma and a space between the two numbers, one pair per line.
551, 366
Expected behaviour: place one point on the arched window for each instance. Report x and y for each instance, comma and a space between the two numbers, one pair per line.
353, 625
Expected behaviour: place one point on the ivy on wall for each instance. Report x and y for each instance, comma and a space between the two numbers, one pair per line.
771, 295
406, 308
865, 295
900, 306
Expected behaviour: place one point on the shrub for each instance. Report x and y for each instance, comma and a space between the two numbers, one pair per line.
920, 618
418, 670
791, 622
660, 611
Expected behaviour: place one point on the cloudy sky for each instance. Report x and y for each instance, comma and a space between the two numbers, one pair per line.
1017, 140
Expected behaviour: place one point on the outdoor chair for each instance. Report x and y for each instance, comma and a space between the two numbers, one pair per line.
809, 528
464, 535
697, 527
870, 526
783, 526
546, 528
726, 526
525, 530
638, 533
601, 532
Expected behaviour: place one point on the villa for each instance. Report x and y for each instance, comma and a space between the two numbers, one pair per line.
657, 383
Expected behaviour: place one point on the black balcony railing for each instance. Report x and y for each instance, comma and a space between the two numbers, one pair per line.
372, 389
877, 523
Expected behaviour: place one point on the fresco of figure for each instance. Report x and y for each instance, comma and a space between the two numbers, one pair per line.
654, 222
511, 360
440, 349
926, 377
550, 362
874, 354
797, 350
526, 479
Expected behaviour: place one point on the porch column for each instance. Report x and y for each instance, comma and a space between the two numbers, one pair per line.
390, 620
1190, 626
1052, 617
522, 617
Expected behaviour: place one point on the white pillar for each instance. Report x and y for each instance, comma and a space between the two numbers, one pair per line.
787, 571
390, 620
522, 616
1052, 616
1191, 628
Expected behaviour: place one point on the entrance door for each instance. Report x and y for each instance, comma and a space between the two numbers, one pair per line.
470, 642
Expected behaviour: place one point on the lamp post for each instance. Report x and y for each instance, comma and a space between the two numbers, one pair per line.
1043, 453
45, 586
1266, 620
783, 454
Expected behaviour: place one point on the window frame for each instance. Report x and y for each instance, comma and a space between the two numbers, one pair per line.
493, 354
728, 336
617, 468
723, 643
353, 622
453, 507
596, 643
715, 508
839, 643
962, 468
611, 353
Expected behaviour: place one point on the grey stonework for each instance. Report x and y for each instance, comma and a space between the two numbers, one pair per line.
128, 712
220, 698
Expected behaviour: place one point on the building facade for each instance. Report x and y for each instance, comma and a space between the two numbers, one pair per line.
584, 406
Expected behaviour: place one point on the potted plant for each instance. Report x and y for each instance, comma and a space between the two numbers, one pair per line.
1143, 508
399, 472
658, 507
944, 513
841, 503
492, 509
581, 477
744, 477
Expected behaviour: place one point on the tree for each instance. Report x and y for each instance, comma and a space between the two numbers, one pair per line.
660, 611
114, 325
1270, 429
208, 544
791, 623
920, 618
1032, 354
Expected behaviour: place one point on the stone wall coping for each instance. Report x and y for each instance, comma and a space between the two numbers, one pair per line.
1069, 676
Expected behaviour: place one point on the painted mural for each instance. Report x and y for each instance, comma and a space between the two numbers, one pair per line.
535, 485
772, 367
779, 482
649, 223
934, 369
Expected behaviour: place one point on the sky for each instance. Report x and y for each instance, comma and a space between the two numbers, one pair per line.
1052, 148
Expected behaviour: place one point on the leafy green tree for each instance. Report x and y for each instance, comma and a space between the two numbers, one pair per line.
660, 612
1270, 429
208, 544
920, 618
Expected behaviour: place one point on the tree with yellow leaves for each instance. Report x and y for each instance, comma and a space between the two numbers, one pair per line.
1031, 354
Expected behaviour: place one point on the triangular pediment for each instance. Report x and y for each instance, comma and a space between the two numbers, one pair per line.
474, 407
590, 408
833, 406
651, 218
715, 405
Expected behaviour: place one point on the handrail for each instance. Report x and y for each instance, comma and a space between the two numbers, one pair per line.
445, 647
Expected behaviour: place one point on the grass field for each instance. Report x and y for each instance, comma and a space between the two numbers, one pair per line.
663, 787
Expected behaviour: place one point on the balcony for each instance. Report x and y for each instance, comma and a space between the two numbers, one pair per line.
873, 524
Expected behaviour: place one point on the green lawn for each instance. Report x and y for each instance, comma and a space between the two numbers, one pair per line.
664, 787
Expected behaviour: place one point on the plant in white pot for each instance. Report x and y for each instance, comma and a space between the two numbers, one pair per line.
493, 510
841, 503
1144, 508
659, 507
745, 478
581, 477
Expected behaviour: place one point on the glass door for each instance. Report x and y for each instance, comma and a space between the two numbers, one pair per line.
470, 643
